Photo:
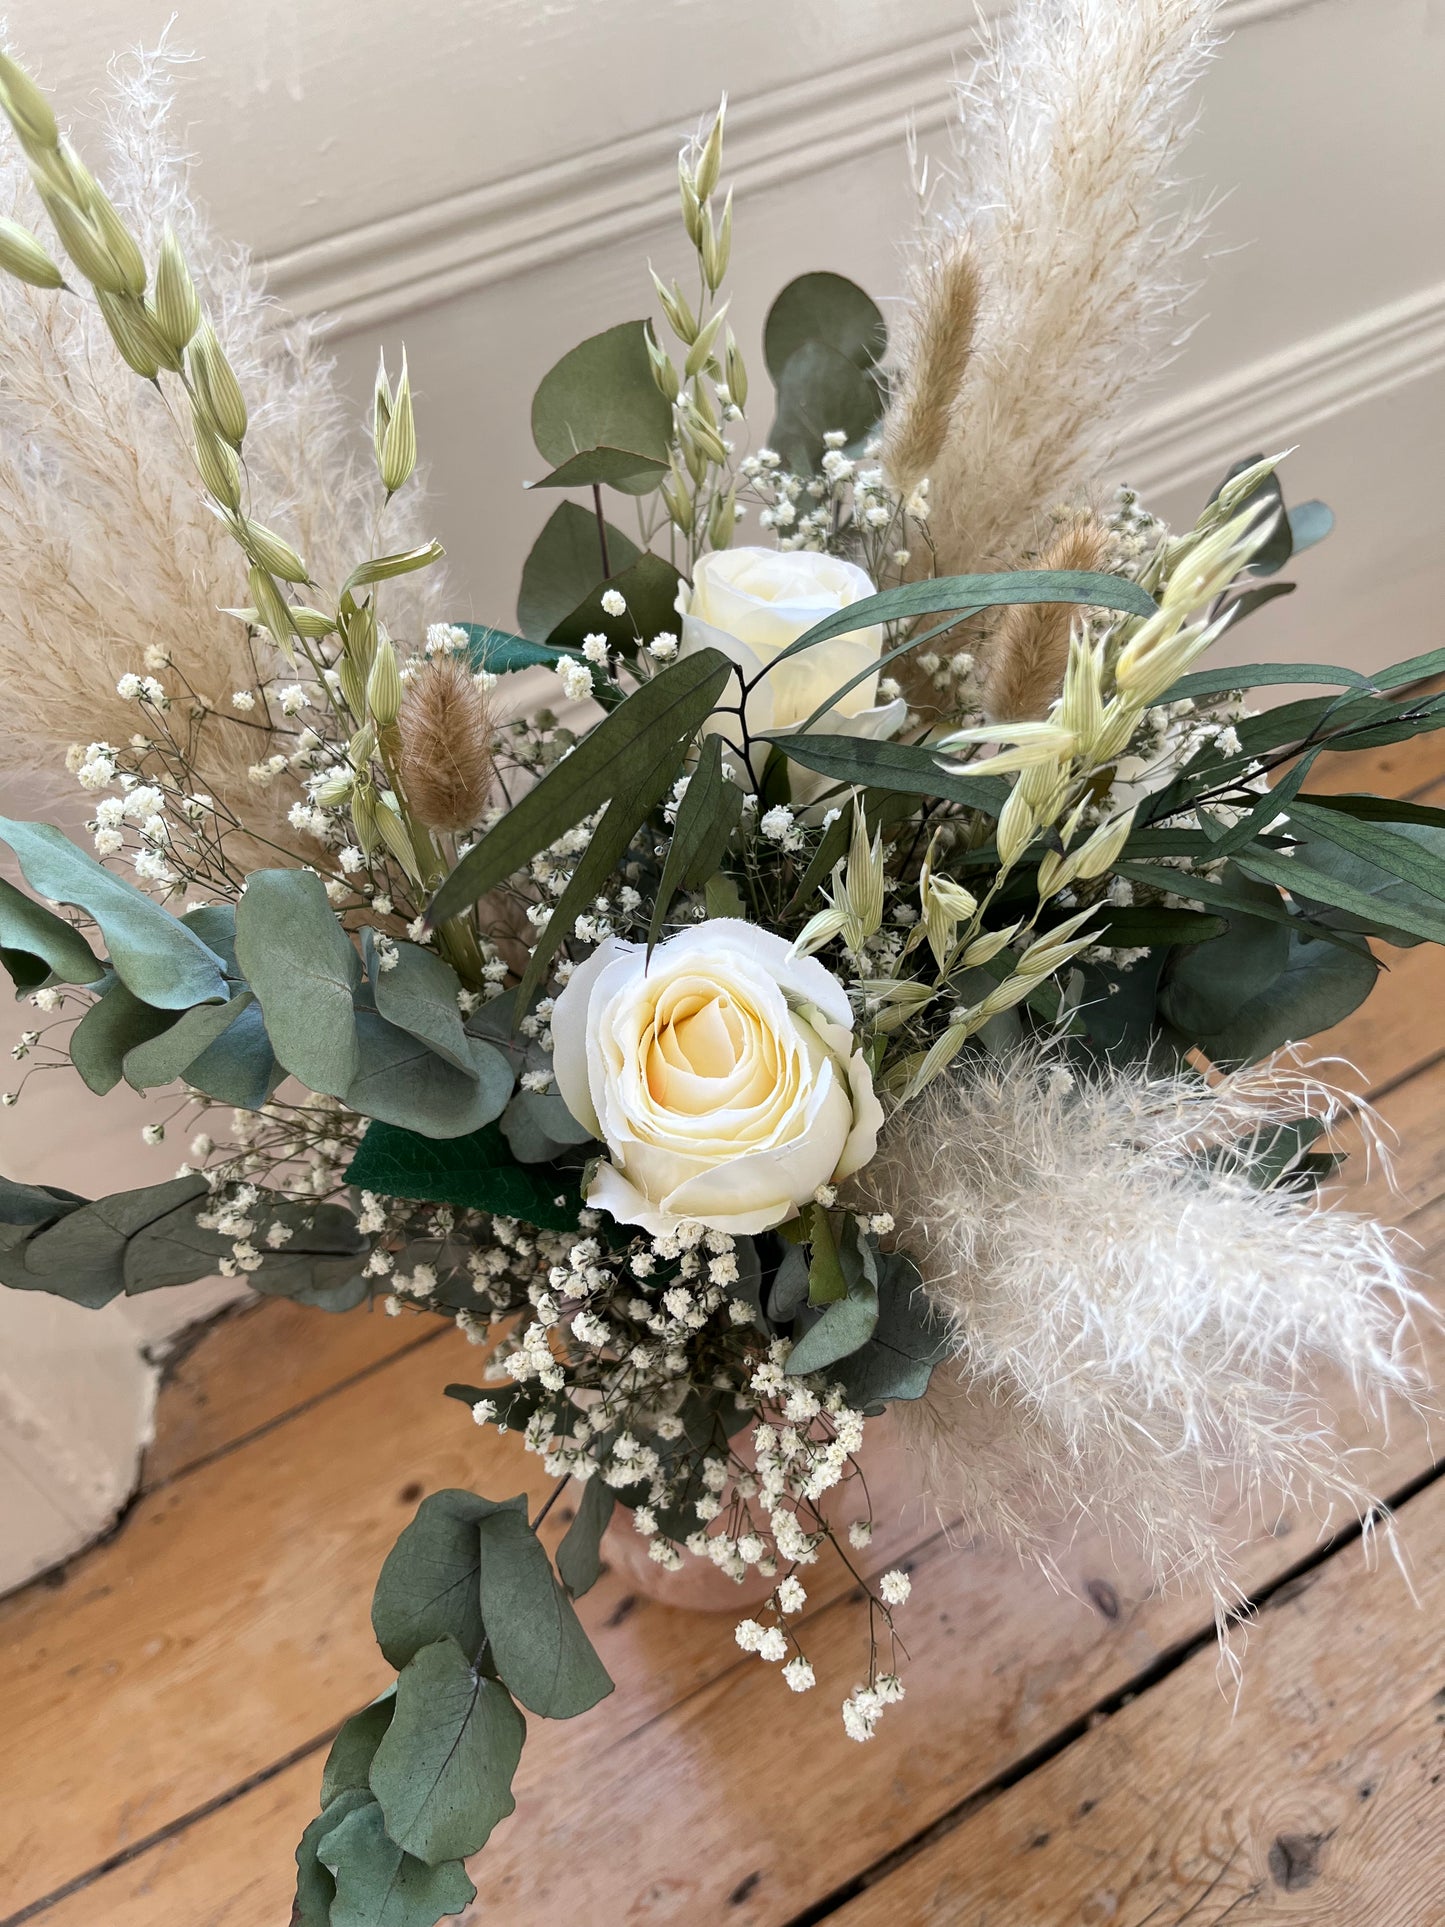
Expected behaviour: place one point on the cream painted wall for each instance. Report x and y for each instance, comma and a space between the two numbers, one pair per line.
485, 180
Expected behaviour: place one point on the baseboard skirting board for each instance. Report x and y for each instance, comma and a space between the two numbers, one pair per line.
368, 276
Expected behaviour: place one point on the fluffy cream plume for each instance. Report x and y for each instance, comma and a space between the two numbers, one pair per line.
446, 745
1069, 130
107, 547
1141, 1335
1029, 649
932, 359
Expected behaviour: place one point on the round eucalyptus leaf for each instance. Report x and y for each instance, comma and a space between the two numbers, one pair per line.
828, 308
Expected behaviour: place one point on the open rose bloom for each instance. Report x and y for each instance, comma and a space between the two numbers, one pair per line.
721, 1074
752, 603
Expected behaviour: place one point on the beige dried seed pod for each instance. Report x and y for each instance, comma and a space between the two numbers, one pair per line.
446, 745
1029, 650
24, 257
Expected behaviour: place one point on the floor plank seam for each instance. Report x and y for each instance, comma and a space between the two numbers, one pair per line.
1275, 1593
292, 1412
33, 1909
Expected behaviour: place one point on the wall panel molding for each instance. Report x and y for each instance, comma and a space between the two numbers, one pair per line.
1270, 402
371, 274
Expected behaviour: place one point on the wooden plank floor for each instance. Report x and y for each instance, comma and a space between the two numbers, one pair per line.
1061, 1757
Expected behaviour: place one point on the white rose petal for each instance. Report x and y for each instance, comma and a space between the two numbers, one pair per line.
721, 1075
751, 603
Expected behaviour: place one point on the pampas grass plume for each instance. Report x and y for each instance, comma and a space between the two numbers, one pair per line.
108, 549
1067, 142
1142, 1336
446, 745
932, 362
1029, 648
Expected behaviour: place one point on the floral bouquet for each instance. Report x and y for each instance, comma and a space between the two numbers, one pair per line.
792, 980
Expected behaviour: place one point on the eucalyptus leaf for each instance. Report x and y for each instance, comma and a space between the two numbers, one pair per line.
629, 809
348, 1764
908, 1341
579, 1557
629, 747
1316, 986
82, 1255
240, 1068
305, 973
378, 1885
38, 948
821, 391
442, 1774
828, 308
849, 1321
598, 415
564, 566
538, 1125
1310, 523
315, 1885
1205, 986
1143, 925
503, 654
649, 588
162, 1059
535, 1638
427, 1589
322, 1256
154, 954
418, 993
1378, 809
789, 1291
116, 1024
402, 1081
476, 1173
1413, 854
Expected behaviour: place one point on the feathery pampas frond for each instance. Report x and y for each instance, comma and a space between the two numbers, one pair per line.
1140, 1335
107, 547
1069, 130
446, 745
932, 359
1029, 650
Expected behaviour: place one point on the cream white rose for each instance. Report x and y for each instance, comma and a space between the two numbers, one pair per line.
721, 1075
751, 603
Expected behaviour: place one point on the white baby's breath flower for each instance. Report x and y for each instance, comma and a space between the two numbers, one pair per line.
894, 1588
594, 648
242, 699
663, 646
614, 602
576, 679
799, 1674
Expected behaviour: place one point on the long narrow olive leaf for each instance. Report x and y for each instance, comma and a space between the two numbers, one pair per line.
1086, 587
1262, 675
706, 818
1400, 856
908, 768
830, 703
625, 815
624, 749
1184, 884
